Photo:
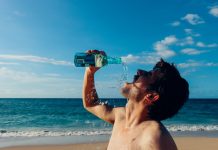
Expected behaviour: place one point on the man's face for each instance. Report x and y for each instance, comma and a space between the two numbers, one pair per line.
137, 89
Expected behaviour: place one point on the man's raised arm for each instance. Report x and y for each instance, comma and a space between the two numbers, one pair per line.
90, 98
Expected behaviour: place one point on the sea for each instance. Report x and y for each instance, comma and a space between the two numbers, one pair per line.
26, 121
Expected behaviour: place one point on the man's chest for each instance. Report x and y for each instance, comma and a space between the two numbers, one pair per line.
125, 139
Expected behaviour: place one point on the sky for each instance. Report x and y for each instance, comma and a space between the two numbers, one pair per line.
38, 41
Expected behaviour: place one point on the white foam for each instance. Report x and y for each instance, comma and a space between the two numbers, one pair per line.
52, 133
45, 133
193, 128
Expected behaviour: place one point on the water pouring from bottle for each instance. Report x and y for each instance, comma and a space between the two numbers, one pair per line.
99, 60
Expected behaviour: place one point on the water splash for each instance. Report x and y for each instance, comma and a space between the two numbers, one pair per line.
124, 75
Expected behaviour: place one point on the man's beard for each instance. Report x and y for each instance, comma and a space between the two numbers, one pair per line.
131, 93
125, 92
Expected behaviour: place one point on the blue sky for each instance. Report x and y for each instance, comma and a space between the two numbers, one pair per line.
38, 40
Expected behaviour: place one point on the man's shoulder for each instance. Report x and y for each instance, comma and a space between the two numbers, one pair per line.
152, 125
152, 128
154, 131
157, 134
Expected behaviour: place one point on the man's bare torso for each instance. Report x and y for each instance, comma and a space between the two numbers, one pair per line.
149, 135
133, 128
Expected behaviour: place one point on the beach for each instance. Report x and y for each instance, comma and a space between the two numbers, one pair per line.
183, 143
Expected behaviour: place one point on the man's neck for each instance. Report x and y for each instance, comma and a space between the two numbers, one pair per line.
136, 113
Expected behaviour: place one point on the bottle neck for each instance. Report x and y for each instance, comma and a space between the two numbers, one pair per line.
114, 60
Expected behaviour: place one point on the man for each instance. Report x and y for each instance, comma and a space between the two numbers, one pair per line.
152, 97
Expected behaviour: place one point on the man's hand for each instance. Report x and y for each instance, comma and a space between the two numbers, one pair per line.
92, 69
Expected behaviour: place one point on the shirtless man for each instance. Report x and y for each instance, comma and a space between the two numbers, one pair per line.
152, 97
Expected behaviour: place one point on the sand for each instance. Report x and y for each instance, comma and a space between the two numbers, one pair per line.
183, 143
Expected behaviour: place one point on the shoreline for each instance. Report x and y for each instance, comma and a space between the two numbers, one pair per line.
183, 143
89, 142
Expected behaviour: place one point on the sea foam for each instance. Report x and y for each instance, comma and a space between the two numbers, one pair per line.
193, 128
47, 133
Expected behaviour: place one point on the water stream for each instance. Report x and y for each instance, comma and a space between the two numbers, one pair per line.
124, 75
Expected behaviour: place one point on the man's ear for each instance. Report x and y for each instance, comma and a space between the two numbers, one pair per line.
151, 97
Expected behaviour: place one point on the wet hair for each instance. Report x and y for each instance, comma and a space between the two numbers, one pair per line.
173, 92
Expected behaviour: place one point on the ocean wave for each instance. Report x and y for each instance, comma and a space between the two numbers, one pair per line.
44, 133
4, 133
192, 128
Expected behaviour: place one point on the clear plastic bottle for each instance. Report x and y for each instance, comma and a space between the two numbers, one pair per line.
97, 60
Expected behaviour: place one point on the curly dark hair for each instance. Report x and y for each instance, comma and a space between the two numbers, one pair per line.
172, 89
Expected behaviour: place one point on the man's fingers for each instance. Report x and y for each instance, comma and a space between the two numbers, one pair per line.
88, 51
96, 52
103, 53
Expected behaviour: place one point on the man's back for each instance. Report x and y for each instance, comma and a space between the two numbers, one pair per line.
149, 135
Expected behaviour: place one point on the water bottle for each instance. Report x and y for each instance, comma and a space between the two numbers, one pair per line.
96, 60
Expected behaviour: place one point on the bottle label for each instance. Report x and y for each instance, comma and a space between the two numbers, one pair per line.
85, 60
97, 60
100, 60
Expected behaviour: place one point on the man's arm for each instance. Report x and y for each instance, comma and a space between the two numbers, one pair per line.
90, 98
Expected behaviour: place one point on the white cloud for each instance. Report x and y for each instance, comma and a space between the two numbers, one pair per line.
16, 83
52, 74
175, 23
192, 51
189, 64
196, 34
211, 64
8, 63
212, 45
189, 40
169, 40
214, 11
18, 75
130, 58
144, 58
162, 47
201, 44
186, 41
193, 19
150, 58
36, 59
193, 63
189, 32
188, 71
166, 53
